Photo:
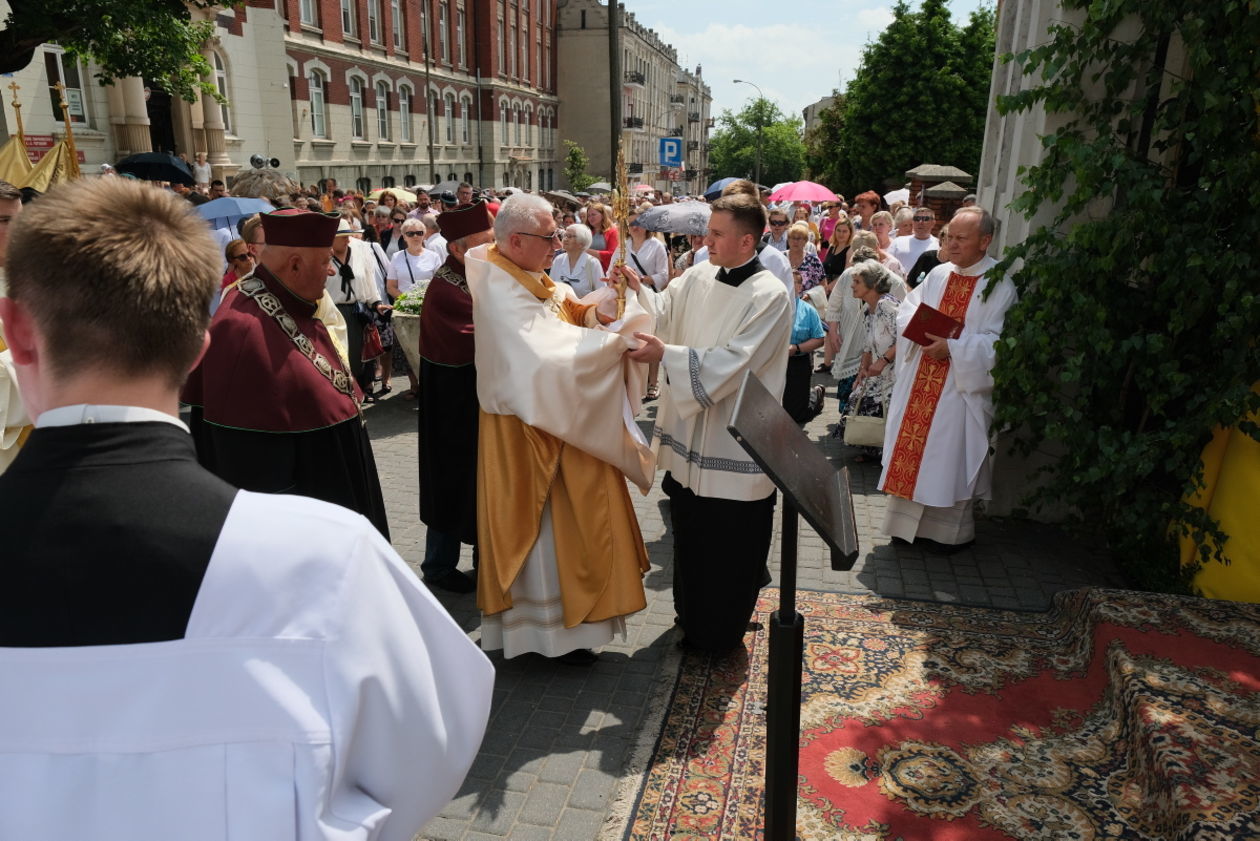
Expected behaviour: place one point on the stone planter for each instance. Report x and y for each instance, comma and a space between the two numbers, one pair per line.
407, 332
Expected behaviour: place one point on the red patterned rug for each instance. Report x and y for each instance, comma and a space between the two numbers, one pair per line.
1115, 715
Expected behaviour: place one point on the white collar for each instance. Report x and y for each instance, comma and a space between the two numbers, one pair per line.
86, 413
986, 262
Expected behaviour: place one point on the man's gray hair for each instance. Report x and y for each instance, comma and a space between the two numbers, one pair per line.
382, 211
430, 223
988, 225
874, 275
517, 213
581, 233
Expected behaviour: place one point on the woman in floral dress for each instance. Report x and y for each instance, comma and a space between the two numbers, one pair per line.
872, 285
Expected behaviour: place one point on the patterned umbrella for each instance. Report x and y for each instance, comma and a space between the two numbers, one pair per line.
688, 217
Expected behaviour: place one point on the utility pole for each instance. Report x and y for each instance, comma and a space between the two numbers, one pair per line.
757, 115
614, 83
430, 101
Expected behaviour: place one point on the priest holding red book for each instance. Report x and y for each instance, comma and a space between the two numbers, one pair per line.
936, 442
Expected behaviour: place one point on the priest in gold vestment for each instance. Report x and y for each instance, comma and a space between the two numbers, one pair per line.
562, 559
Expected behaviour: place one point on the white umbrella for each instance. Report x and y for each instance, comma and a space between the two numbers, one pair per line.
897, 195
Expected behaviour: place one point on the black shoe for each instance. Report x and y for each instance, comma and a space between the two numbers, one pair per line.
577, 657
454, 581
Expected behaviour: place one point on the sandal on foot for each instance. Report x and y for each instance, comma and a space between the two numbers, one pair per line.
653, 392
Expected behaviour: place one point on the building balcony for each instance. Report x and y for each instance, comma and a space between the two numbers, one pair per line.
634, 123
675, 132
634, 169
693, 145
677, 100
693, 117
634, 79
708, 123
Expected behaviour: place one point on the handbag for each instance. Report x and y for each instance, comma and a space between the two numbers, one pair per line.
372, 346
864, 430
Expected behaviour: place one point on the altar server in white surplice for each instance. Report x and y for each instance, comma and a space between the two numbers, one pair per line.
936, 441
562, 558
179, 659
719, 320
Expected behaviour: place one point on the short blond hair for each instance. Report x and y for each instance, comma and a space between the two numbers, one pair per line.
884, 215
117, 275
798, 229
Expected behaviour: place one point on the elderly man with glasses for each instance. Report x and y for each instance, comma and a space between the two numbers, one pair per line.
777, 236
910, 248
561, 556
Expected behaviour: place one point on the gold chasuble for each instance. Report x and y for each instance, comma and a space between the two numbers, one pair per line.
554, 427
929, 381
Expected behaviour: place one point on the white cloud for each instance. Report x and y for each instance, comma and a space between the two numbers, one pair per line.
874, 21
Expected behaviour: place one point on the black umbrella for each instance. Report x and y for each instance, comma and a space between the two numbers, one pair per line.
156, 166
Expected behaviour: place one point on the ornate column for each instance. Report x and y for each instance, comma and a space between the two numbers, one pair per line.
133, 133
212, 122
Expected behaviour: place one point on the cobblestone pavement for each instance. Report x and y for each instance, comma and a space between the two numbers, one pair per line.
560, 736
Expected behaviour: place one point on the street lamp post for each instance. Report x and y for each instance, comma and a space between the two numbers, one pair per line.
757, 114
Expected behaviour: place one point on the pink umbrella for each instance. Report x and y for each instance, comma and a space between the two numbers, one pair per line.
643, 188
803, 191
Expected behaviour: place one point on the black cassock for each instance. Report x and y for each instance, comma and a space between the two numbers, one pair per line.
107, 531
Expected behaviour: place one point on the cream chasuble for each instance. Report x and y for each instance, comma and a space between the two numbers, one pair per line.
557, 432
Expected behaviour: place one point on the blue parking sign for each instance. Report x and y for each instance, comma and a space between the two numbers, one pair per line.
671, 151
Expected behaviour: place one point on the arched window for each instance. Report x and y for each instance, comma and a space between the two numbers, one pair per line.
503, 123
387, 181
529, 180
319, 123
468, 177
382, 110
220, 85
363, 185
449, 106
409, 181
516, 121
465, 112
356, 108
404, 114
529, 126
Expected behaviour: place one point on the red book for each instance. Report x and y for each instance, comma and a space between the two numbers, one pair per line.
928, 319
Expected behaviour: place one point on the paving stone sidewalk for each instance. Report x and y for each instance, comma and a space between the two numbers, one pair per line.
560, 736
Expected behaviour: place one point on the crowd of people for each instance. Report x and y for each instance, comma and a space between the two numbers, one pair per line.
538, 350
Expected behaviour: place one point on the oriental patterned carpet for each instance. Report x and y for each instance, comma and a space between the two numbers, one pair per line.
1115, 715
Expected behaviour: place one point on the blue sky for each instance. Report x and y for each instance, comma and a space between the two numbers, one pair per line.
796, 51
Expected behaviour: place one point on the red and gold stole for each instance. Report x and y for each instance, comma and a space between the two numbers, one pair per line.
925, 394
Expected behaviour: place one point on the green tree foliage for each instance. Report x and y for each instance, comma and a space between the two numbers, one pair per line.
1135, 335
919, 96
154, 39
575, 163
734, 144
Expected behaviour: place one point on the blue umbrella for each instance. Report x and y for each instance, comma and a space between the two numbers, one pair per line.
224, 212
716, 188
688, 217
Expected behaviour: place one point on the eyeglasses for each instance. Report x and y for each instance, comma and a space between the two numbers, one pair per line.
554, 235
399, 220
414, 234
777, 223
244, 256
923, 219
